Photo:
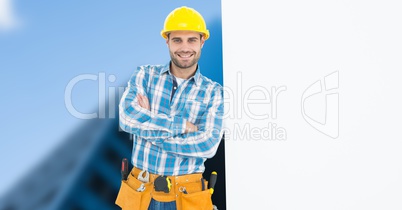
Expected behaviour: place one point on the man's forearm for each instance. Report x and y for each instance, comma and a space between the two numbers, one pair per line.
197, 144
140, 121
205, 141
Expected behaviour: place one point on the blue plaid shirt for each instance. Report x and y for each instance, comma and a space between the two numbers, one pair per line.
160, 145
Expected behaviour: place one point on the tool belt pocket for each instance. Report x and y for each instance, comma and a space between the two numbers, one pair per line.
196, 199
133, 196
199, 200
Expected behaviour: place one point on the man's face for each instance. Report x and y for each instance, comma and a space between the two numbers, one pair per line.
185, 48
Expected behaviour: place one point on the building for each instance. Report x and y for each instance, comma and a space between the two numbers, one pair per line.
83, 173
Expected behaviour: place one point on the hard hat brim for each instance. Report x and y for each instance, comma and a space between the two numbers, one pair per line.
204, 33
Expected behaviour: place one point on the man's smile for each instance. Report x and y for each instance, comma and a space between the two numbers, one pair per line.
184, 55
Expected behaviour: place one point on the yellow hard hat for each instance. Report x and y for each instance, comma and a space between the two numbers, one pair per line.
185, 19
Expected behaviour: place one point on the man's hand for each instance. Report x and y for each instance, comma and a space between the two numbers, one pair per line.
143, 102
190, 127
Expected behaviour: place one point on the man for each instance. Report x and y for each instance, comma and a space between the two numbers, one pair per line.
175, 116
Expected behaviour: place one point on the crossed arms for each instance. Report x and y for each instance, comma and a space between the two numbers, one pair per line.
173, 134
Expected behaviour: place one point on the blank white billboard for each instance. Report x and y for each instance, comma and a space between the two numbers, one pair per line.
313, 104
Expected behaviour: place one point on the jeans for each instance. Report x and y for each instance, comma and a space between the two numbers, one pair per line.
156, 205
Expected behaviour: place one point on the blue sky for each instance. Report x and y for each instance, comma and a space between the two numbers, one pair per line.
54, 42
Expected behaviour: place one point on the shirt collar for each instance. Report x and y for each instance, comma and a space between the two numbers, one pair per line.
196, 77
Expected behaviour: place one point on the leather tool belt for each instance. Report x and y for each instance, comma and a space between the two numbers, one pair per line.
188, 191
